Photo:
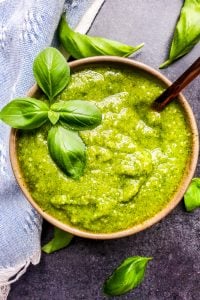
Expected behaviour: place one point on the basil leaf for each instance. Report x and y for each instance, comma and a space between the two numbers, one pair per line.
127, 276
53, 116
51, 72
187, 32
81, 45
78, 114
192, 195
25, 113
67, 150
60, 240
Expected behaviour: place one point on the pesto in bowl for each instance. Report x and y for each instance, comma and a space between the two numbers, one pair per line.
136, 157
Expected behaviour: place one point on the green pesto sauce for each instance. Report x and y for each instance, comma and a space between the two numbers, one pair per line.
135, 158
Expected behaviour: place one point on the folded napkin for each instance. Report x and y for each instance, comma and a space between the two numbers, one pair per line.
26, 27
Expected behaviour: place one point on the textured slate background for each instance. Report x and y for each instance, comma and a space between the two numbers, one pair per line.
78, 272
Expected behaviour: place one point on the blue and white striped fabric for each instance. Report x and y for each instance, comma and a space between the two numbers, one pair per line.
26, 27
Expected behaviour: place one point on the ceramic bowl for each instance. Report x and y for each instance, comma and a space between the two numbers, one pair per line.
187, 176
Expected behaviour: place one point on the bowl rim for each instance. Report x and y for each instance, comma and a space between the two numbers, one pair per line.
177, 196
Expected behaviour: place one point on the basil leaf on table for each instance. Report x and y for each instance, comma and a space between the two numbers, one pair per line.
187, 32
51, 72
192, 195
67, 150
60, 240
25, 113
78, 114
81, 45
127, 276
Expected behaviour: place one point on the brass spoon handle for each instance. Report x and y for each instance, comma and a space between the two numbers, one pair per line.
173, 90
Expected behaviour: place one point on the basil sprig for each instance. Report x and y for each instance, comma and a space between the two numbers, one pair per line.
25, 113
60, 240
51, 72
187, 32
65, 146
127, 276
67, 150
81, 45
192, 195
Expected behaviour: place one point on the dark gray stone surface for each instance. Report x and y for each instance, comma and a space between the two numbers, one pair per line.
78, 272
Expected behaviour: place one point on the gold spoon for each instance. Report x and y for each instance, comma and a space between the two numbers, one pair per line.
173, 90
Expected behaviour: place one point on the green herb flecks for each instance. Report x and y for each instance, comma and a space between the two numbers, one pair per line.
127, 276
187, 32
81, 45
60, 240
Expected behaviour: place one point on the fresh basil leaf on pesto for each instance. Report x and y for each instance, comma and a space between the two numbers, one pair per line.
53, 116
51, 72
78, 114
81, 45
60, 240
187, 32
192, 195
25, 113
67, 150
127, 276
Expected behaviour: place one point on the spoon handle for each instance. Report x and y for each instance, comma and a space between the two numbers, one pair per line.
173, 90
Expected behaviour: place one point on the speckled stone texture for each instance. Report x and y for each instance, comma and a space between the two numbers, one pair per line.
78, 272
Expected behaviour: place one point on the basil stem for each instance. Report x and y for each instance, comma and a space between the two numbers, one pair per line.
127, 276
53, 116
60, 240
67, 150
25, 113
78, 114
192, 195
51, 72
187, 32
81, 45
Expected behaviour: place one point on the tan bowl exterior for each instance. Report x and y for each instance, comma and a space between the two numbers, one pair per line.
187, 177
